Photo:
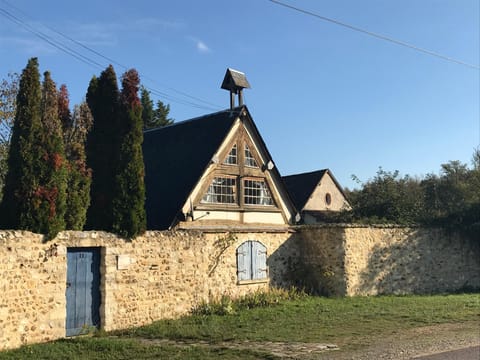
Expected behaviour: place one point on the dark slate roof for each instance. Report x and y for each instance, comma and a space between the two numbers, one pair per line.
301, 186
175, 158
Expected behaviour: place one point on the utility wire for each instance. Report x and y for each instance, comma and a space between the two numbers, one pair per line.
373, 34
89, 61
49, 40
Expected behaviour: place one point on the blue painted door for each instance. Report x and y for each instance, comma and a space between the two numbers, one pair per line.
83, 290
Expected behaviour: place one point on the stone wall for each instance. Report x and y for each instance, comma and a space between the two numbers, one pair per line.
349, 260
156, 276
163, 274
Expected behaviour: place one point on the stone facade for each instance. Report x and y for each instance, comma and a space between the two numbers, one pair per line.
353, 260
163, 274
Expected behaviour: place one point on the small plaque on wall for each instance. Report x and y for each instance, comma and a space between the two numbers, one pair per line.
123, 262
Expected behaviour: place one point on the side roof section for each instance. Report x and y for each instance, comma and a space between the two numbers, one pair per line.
301, 186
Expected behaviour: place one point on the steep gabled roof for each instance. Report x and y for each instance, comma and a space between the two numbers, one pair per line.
175, 158
301, 186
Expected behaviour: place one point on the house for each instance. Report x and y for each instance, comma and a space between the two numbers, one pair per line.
214, 171
314, 193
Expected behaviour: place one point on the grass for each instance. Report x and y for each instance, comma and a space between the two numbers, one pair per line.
353, 321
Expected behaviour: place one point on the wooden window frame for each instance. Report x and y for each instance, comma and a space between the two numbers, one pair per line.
221, 194
250, 196
228, 159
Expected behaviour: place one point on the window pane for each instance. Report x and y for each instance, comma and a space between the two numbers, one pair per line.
221, 190
249, 159
256, 192
231, 158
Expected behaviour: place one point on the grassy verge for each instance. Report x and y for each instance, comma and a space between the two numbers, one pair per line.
316, 319
346, 322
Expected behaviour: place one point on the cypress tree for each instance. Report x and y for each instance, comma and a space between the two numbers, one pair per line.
75, 131
102, 148
24, 152
129, 202
49, 198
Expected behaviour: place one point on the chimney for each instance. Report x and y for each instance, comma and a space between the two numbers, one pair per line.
235, 81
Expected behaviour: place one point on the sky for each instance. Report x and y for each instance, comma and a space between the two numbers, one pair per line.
322, 95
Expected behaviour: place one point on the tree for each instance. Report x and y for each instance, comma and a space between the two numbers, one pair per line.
34, 192
64, 113
102, 148
129, 218
160, 115
24, 153
388, 198
147, 109
49, 198
75, 130
8, 96
153, 118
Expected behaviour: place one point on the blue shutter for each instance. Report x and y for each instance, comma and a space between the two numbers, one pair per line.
244, 265
259, 260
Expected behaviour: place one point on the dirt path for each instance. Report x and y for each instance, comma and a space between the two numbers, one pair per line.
413, 343
406, 344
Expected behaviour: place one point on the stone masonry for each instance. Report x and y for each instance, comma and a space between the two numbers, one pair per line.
373, 260
155, 276
164, 274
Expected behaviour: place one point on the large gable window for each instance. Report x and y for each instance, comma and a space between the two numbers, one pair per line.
231, 158
252, 261
222, 190
256, 192
249, 159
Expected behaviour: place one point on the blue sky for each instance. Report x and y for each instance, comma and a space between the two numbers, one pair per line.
322, 96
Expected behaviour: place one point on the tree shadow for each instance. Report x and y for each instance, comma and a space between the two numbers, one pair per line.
304, 262
426, 261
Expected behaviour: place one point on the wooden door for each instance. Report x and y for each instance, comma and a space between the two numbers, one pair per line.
83, 290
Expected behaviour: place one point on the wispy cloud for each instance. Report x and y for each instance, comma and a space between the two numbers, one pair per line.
200, 45
29, 45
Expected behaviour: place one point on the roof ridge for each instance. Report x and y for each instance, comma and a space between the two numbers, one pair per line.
308, 173
182, 122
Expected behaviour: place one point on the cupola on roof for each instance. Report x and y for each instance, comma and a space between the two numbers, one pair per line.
235, 81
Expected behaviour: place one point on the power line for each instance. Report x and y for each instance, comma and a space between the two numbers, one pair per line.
105, 57
58, 45
373, 34
49, 40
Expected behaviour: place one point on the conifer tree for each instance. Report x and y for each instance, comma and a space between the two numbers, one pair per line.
24, 152
147, 108
129, 217
75, 131
64, 113
49, 197
34, 193
160, 115
102, 148
153, 118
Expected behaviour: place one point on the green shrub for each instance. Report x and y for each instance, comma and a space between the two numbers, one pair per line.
225, 305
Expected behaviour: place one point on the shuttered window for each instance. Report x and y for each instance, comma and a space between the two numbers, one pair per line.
252, 261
